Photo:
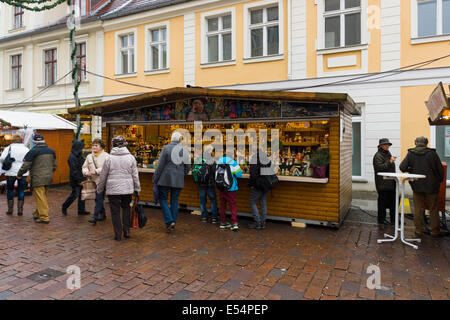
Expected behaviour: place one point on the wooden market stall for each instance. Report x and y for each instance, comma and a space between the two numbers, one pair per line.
58, 134
305, 122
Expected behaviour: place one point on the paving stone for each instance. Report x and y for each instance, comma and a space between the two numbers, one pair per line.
286, 292
6, 294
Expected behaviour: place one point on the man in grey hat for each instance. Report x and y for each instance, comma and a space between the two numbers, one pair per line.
383, 161
423, 160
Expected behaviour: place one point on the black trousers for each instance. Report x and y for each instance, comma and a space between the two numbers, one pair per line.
117, 202
386, 200
76, 193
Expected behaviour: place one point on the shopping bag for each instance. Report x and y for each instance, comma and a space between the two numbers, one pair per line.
88, 191
134, 214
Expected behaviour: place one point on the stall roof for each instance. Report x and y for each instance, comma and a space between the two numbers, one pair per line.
180, 93
33, 120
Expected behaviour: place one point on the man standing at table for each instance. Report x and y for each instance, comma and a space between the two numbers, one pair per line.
383, 161
423, 160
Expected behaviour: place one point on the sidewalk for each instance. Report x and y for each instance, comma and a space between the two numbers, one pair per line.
199, 261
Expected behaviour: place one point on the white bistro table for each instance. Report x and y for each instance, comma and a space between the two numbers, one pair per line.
400, 177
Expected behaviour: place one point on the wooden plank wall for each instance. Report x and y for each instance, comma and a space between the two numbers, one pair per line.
345, 183
307, 201
61, 142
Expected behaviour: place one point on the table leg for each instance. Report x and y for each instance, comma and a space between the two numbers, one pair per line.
402, 223
393, 238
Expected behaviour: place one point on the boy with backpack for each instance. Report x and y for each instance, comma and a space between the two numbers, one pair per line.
227, 170
204, 176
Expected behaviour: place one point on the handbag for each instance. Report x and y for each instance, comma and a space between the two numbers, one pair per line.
142, 217
7, 163
89, 187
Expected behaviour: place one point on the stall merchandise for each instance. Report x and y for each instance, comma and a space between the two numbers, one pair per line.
300, 122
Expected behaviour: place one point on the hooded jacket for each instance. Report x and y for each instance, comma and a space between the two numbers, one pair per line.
382, 163
423, 160
119, 173
76, 163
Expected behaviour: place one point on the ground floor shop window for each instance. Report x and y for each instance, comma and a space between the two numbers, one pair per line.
443, 145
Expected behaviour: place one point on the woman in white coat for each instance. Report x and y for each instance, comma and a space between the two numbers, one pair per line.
18, 152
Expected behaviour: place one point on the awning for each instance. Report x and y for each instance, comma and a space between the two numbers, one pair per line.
41, 121
180, 93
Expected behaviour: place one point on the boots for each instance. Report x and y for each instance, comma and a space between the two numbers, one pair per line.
20, 207
10, 207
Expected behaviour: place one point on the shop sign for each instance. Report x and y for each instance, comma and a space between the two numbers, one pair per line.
437, 102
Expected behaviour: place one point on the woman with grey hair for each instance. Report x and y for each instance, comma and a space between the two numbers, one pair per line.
121, 179
173, 166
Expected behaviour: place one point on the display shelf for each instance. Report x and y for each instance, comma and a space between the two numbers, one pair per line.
303, 130
300, 144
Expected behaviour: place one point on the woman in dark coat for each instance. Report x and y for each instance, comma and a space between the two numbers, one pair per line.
76, 177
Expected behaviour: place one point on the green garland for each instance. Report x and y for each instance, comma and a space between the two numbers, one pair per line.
25, 4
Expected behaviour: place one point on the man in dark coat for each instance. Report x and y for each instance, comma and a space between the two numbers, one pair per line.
383, 161
76, 177
423, 160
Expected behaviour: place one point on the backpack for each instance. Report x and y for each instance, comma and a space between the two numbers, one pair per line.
200, 173
224, 177
7, 163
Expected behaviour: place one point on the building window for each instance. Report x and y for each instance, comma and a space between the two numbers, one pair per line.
158, 48
50, 66
443, 145
433, 17
81, 5
264, 32
81, 61
18, 17
16, 71
356, 148
219, 38
342, 20
127, 53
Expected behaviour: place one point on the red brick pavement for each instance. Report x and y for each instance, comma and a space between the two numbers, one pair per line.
199, 261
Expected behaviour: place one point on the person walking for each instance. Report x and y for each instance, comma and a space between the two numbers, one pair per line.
205, 173
92, 167
76, 177
173, 166
40, 161
17, 151
119, 177
227, 170
425, 161
383, 161
258, 190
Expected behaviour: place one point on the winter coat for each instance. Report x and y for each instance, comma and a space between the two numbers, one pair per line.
18, 152
382, 163
255, 169
235, 171
41, 162
423, 160
168, 173
76, 163
119, 173
94, 163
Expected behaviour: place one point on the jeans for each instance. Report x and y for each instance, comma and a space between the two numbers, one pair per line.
99, 210
211, 193
170, 214
230, 197
21, 186
261, 196
117, 202
386, 200
76, 193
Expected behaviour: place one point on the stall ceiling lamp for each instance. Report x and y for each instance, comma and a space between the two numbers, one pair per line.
8, 137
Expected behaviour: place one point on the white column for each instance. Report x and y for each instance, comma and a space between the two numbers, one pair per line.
390, 35
297, 39
189, 49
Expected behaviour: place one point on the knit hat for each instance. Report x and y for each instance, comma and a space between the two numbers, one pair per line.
119, 142
38, 138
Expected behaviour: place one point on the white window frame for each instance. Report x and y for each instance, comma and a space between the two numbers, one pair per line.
46, 46
84, 38
320, 42
118, 71
148, 52
8, 55
361, 119
204, 37
247, 33
440, 36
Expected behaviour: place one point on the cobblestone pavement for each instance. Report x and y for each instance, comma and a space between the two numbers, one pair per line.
199, 261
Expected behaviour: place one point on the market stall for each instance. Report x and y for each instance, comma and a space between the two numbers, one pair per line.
310, 128
58, 134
